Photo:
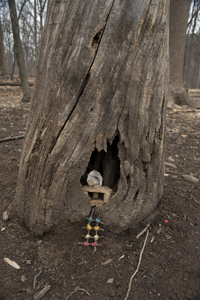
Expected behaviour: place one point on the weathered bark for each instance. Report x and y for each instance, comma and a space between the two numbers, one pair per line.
179, 13
2, 60
19, 52
98, 103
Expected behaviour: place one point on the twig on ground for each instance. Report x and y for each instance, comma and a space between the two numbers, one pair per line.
142, 232
116, 270
195, 199
143, 272
35, 278
10, 207
42, 293
77, 289
135, 262
12, 138
138, 266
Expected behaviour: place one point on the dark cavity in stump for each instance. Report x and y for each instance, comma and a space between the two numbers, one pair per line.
107, 164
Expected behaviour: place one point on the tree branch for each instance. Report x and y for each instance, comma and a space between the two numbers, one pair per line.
21, 9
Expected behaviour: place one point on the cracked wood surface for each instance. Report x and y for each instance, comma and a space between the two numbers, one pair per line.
102, 71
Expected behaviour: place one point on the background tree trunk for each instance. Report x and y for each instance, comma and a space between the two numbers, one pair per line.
35, 29
179, 13
2, 60
41, 12
19, 52
98, 103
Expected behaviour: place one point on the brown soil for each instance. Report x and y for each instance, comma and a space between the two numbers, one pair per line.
170, 267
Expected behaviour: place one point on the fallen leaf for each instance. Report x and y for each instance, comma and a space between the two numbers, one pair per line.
121, 257
184, 135
191, 178
168, 237
110, 280
170, 158
108, 261
42, 293
170, 165
152, 239
5, 216
28, 262
23, 278
12, 263
159, 230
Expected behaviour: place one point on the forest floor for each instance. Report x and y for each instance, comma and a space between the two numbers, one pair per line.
170, 265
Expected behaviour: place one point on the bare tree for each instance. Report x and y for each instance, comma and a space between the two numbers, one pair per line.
2, 59
98, 103
31, 16
8, 37
179, 13
35, 28
192, 57
19, 52
42, 5
192, 61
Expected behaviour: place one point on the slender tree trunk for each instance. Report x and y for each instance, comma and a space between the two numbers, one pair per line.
42, 6
98, 103
188, 62
13, 68
35, 29
19, 52
41, 25
2, 59
179, 13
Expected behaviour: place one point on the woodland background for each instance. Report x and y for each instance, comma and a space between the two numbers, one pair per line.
31, 18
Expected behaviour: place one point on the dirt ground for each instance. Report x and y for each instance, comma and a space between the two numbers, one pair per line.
170, 267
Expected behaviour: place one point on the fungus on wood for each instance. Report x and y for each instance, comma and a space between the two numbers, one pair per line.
98, 104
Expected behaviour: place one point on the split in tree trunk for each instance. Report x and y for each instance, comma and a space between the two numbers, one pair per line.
98, 103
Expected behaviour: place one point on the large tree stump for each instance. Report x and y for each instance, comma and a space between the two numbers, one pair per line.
98, 104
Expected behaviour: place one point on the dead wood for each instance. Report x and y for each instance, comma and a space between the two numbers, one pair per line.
98, 104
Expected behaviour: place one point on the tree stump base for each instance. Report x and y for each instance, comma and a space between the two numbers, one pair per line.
98, 103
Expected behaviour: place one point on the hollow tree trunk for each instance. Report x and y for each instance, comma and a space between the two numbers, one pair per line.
179, 13
98, 104
19, 52
2, 60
